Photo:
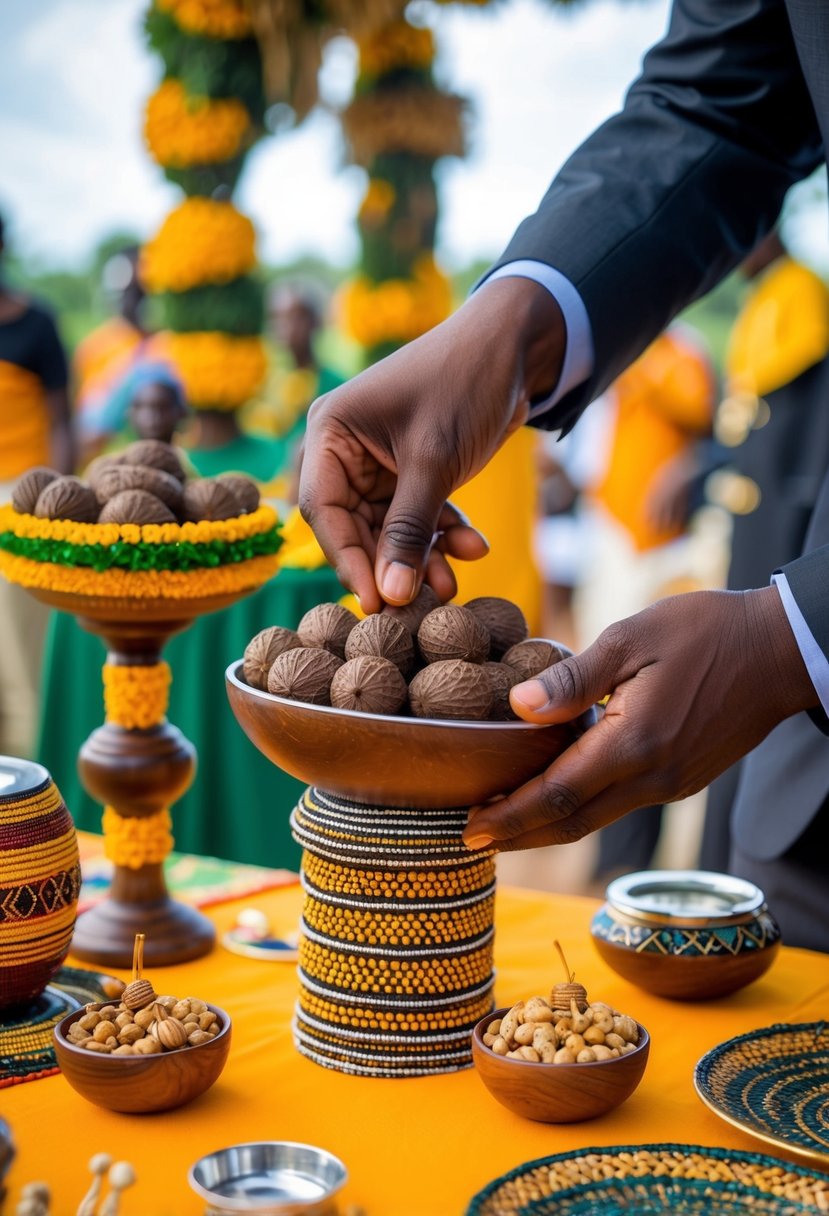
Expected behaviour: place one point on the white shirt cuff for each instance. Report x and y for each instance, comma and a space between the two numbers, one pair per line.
578, 350
816, 662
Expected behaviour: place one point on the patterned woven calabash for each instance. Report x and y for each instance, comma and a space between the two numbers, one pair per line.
40, 880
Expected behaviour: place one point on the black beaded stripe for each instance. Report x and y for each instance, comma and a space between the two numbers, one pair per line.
427, 857
422, 950
387, 1059
391, 1001
405, 1038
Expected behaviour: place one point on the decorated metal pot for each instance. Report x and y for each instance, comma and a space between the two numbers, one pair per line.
686, 934
40, 880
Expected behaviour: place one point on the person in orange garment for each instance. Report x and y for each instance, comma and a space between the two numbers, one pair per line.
35, 429
638, 550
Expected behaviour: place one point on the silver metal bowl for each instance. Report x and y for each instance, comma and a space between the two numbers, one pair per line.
395, 761
269, 1178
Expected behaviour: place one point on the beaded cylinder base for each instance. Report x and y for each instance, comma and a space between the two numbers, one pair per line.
395, 956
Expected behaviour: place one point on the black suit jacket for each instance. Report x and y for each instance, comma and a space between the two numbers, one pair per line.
731, 109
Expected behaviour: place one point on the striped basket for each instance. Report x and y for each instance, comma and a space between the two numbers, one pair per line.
395, 957
652, 1179
40, 880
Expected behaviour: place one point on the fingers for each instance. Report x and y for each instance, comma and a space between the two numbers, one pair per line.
570, 687
411, 522
592, 783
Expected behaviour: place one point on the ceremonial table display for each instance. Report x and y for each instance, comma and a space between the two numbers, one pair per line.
135, 585
423, 1146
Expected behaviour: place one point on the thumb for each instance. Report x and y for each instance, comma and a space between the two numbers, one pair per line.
408, 533
568, 688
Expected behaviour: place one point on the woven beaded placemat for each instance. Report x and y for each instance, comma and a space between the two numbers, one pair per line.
26, 1051
774, 1085
652, 1179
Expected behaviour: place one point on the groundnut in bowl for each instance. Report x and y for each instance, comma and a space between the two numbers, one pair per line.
560, 1059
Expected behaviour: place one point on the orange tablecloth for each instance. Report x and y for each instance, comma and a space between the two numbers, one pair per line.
414, 1147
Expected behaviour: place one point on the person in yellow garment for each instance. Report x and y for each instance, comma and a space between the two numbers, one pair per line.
774, 423
655, 414
35, 429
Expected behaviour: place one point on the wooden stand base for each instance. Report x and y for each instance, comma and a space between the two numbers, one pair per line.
175, 933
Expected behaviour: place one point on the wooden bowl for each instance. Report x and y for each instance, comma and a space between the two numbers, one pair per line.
558, 1093
142, 1084
395, 761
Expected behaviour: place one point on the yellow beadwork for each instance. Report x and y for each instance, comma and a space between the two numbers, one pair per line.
441, 976
398, 884
373, 928
138, 840
136, 697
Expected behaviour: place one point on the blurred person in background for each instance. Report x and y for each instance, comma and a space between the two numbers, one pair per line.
107, 354
774, 425
35, 429
296, 315
637, 549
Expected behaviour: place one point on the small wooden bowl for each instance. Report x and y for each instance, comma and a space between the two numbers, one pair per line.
558, 1093
142, 1084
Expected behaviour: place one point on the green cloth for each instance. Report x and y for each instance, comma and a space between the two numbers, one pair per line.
239, 803
260, 456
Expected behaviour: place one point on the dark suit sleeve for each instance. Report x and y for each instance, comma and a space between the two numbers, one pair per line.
668, 196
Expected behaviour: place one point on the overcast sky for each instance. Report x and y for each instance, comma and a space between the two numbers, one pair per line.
74, 75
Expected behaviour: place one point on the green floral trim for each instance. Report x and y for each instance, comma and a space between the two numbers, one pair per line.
184, 555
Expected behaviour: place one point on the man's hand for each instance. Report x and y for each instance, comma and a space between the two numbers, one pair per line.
696, 681
384, 452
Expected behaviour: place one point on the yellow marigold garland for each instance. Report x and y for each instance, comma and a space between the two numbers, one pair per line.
138, 840
398, 45
378, 201
201, 241
219, 371
139, 584
181, 130
397, 310
240, 528
210, 18
136, 697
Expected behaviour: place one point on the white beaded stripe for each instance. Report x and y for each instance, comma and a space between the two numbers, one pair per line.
411, 823
299, 824
364, 831
410, 953
412, 1036
393, 1002
413, 905
358, 1070
314, 795
397, 858
381, 1057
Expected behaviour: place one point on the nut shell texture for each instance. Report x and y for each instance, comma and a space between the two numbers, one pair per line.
262, 652
533, 656
412, 615
135, 507
208, 499
370, 684
384, 637
121, 477
452, 632
244, 489
155, 454
451, 688
503, 620
98, 466
29, 487
327, 626
138, 994
67, 498
502, 678
304, 674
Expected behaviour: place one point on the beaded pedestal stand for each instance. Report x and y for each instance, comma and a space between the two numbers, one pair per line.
395, 961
